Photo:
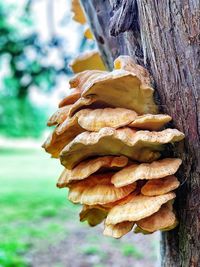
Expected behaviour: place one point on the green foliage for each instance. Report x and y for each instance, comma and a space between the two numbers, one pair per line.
24, 60
91, 250
19, 118
29, 199
23, 57
35, 214
10, 259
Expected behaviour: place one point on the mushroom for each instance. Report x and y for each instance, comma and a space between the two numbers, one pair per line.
157, 169
108, 121
137, 145
94, 215
162, 186
88, 34
97, 189
162, 219
124, 89
150, 122
59, 116
137, 208
127, 63
81, 78
95, 119
85, 120
78, 14
87, 61
71, 98
88, 167
118, 230
55, 143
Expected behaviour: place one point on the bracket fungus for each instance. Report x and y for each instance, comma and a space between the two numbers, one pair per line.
162, 186
124, 89
118, 230
137, 208
88, 167
94, 120
155, 170
97, 189
88, 34
59, 116
143, 146
94, 215
79, 16
161, 220
71, 98
87, 61
112, 142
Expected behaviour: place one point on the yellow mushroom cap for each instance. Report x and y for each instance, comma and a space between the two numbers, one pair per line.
52, 145
137, 145
94, 120
150, 122
92, 214
70, 99
139, 230
97, 189
55, 143
137, 208
86, 119
59, 116
78, 14
88, 167
164, 218
88, 34
127, 63
78, 80
87, 61
154, 170
80, 104
118, 230
160, 186
123, 89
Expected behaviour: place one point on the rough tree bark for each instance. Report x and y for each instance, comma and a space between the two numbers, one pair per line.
164, 36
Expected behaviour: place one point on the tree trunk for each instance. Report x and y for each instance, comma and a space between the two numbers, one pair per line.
164, 36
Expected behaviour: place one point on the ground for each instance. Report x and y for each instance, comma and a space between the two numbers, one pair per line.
39, 227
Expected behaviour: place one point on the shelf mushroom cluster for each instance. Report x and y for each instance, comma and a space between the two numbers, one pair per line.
111, 141
79, 16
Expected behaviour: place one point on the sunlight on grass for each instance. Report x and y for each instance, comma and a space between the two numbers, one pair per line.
32, 208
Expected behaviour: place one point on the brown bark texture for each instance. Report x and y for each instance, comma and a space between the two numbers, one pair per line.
163, 36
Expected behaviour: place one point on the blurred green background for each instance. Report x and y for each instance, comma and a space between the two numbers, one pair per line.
38, 226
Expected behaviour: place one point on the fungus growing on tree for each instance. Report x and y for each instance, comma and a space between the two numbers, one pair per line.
155, 170
97, 189
142, 146
161, 220
112, 142
88, 167
87, 61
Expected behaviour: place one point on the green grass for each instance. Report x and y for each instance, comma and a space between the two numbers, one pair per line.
130, 250
32, 208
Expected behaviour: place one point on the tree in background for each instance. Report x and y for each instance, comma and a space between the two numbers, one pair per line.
24, 59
